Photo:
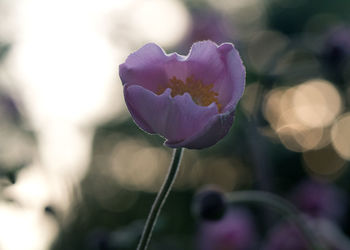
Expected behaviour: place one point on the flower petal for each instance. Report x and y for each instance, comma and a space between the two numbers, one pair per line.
234, 81
204, 61
175, 118
216, 128
145, 67
236, 230
220, 65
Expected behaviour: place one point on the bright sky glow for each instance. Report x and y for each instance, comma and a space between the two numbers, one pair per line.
64, 65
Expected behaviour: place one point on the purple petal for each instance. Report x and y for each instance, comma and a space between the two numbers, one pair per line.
216, 128
234, 231
234, 81
205, 62
175, 118
220, 65
145, 67
320, 199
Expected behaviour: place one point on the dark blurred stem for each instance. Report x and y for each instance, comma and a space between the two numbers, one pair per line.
281, 205
160, 200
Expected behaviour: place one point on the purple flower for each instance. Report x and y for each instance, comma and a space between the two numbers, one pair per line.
286, 236
208, 24
234, 231
320, 200
189, 100
335, 54
9, 109
337, 46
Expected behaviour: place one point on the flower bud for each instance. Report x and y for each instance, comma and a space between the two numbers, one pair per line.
210, 204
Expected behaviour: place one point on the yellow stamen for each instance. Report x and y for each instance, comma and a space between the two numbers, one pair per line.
202, 94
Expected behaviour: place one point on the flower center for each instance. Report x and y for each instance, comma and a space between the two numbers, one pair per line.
202, 94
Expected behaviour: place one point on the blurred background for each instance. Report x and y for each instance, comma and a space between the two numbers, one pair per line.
77, 173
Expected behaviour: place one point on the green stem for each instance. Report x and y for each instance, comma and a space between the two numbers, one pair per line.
160, 200
283, 206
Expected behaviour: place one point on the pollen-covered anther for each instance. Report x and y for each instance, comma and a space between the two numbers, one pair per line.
202, 94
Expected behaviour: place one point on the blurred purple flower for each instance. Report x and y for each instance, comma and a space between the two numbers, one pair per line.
320, 199
98, 240
208, 24
335, 54
234, 231
189, 100
286, 236
9, 109
337, 46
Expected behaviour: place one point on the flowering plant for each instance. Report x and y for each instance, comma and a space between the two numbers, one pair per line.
189, 100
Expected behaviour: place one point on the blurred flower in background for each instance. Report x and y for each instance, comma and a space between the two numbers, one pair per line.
207, 24
336, 52
235, 230
320, 200
286, 236
9, 109
17, 147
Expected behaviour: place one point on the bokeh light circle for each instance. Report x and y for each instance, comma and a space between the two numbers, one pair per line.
340, 134
317, 103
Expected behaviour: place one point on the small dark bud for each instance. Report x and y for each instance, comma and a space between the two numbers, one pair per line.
209, 204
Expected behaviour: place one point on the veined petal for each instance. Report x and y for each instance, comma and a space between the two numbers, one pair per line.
205, 62
232, 87
175, 118
145, 67
215, 129
220, 65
